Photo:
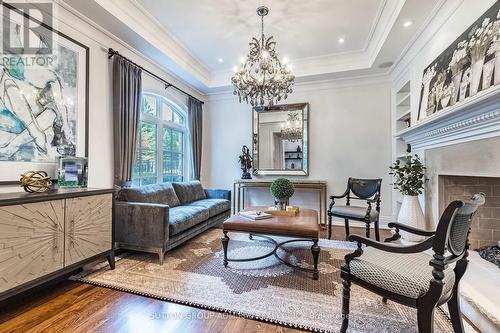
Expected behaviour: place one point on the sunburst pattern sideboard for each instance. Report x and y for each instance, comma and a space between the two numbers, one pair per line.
43, 236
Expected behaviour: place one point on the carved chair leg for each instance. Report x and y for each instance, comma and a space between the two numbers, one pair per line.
455, 313
346, 221
111, 259
454, 302
377, 230
425, 319
345, 304
315, 253
330, 226
367, 229
225, 241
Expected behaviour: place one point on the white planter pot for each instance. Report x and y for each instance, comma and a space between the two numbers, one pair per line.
411, 214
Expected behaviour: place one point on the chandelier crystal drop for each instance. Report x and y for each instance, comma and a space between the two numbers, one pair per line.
291, 130
261, 77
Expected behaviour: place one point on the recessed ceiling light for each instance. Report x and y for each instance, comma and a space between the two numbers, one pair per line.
341, 40
220, 60
408, 23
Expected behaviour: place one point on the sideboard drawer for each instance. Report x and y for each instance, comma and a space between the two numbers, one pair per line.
88, 227
31, 241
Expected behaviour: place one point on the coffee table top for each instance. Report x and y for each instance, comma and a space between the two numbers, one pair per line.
304, 224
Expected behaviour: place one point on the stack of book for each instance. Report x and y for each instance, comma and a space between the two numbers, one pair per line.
255, 215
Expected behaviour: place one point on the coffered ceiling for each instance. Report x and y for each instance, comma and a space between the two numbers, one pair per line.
201, 40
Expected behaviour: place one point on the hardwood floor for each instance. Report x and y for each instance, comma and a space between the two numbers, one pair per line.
68, 306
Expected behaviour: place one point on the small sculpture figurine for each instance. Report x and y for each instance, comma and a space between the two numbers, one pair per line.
35, 181
245, 163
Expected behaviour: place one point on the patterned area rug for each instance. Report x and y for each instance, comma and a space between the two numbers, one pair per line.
266, 290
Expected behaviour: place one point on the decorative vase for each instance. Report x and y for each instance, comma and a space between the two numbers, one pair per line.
456, 84
280, 203
497, 67
411, 214
477, 69
425, 98
464, 85
488, 73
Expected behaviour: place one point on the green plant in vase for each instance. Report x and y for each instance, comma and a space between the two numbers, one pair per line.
409, 178
282, 190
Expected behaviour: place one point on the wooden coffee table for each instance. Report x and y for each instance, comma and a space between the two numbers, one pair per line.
302, 227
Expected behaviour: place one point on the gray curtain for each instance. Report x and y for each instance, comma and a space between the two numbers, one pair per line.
195, 119
127, 90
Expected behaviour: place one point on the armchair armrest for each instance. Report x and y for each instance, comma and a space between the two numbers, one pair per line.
343, 195
407, 228
392, 248
141, 224
412, 230
218, 194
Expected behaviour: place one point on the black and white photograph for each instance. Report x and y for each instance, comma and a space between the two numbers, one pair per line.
471, 64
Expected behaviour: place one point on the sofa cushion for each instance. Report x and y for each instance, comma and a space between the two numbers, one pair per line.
214, 206
162, 193
404, 274
188, 192
184, 217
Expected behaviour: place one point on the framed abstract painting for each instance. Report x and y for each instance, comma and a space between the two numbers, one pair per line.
43, 96
470, 65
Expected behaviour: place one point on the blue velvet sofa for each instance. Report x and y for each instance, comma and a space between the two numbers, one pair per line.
156, 218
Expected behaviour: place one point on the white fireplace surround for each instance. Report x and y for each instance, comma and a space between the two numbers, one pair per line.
478, 117
465, 124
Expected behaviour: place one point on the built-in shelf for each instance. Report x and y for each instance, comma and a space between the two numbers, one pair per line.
401, 119
404, 100
405, 116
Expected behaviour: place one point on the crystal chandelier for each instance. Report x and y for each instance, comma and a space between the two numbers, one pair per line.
261, 77
293, 130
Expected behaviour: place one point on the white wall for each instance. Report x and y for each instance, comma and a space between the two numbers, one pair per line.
349, 134
100, 89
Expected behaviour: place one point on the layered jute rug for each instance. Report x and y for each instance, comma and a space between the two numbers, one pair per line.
265, 290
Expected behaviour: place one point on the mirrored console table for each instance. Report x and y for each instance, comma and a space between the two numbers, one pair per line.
241, 185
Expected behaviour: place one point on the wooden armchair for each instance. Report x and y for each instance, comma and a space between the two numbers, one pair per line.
407, 275
367, 190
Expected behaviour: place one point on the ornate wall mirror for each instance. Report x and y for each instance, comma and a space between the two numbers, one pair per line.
280, 140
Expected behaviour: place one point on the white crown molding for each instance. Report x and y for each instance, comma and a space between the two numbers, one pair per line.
309, 86
139, 20
476, 118
387, 19
135, 16
441, 13
141, 58
346, 61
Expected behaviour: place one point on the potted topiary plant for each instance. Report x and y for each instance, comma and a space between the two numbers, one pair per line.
409, 180
282, 189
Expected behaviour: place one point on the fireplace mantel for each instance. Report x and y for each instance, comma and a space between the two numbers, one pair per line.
475, 118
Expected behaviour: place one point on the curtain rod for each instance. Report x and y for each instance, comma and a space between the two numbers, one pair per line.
112, 53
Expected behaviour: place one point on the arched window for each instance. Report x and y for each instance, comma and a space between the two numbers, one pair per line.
161, 145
